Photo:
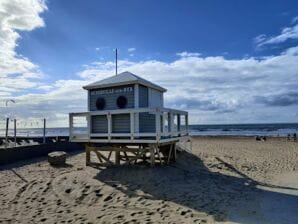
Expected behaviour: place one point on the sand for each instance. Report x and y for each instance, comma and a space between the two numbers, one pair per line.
225, 180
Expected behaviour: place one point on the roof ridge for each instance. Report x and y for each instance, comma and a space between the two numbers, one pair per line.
125, 77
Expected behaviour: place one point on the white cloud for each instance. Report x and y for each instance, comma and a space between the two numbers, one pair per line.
212, 89
63, 97
131, 49
291, 51
287, 33
17, 71
295, 19
188, 54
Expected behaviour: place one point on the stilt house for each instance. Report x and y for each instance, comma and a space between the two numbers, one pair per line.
127, 110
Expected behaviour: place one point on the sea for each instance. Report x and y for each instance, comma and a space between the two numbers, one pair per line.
274, 130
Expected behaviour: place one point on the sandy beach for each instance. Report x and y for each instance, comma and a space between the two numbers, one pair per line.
224, 180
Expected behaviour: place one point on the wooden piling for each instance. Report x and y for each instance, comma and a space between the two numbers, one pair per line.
88, 159
6, 132
117, 157
152, 155
44, 131
15, 132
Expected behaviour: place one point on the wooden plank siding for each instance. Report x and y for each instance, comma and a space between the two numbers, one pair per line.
143, 96
99, 124
121, 123
110, 95
147, 123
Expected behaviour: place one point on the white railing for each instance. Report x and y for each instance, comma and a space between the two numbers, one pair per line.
169, 123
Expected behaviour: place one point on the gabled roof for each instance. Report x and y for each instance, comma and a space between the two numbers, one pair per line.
124, 78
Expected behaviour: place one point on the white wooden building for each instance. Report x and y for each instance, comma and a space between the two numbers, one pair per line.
127, 110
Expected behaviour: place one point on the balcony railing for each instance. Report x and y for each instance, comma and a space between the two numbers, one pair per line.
169, 124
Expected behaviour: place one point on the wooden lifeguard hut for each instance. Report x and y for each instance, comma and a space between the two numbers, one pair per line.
126, 116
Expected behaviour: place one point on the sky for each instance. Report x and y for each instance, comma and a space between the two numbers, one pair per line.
222, 61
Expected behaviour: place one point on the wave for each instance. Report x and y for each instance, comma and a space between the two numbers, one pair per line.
195, 130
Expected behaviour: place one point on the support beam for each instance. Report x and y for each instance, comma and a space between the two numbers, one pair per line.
152, 154
175, 152
158, 154
130, 154
98, 156
88, 158
103, 157
117, 157
170, 153
109, 156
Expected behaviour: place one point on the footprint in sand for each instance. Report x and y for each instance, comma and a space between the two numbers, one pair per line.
86, 189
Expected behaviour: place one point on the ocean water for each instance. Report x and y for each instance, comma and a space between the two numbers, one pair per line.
195, 130
245, 129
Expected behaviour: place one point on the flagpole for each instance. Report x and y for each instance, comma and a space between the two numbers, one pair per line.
116, 61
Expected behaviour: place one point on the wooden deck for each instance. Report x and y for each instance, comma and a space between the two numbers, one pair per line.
170, 125
133, 146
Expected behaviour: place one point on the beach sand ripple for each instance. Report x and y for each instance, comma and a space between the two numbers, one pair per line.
225, 180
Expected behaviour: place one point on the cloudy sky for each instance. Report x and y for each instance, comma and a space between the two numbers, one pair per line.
223, 61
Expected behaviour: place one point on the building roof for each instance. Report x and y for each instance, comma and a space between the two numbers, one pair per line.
124, 78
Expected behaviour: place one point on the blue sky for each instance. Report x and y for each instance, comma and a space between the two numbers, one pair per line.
237, 60
158, 29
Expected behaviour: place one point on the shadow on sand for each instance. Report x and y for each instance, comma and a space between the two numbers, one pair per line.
26, 161
188, 182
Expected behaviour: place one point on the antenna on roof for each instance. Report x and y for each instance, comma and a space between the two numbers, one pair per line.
116, 61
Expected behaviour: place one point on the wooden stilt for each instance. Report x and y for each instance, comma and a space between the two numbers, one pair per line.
158, 154
175, 152
144, 154
152, 155
88, 160
170, 153
126, 157
117, 157
109, 156
131, 154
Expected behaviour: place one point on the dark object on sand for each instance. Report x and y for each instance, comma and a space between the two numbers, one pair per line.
289, 137
57, 158
261, 138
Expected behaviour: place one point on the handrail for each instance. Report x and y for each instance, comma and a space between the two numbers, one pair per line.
165, 126
129, 110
